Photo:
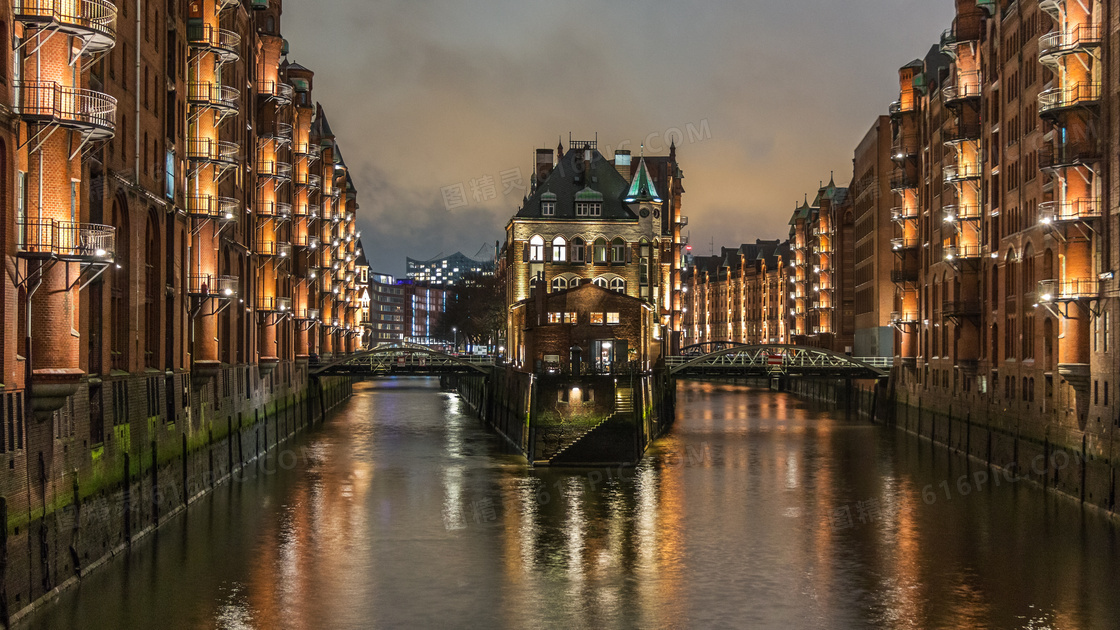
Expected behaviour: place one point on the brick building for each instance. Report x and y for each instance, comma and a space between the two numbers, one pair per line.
614, 223
179, 226
872, 259
586, 329
738, 296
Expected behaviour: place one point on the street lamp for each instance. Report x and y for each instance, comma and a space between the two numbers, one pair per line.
455, 331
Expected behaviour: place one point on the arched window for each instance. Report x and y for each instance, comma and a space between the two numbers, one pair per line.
579, 249
618, 285
618, 251
1048, 265
995, 285
536, 249
601, 282
559, 284
573, 283
1009, 274
1029, 282
643, 247
1048, 343
119, 312
559, 249
600, 251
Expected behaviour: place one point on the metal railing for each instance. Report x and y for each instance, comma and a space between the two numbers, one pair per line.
212, 285
277, 131
904, 317
1078, 94
212, 207
214, 95
960, 308
273, 248
92, 21
961, 172
47, 102
903, 213
1068, 290
902, 181
277, 90
1068, 154
1082, 209
966, 85
307, 241
79, 242
901, 276
963, 252
274, 209
272, 168
273, 304
1077, 39
898, 108
962, 212
213, 151
904, 146
902, 244
224, 43
307, 314
961, 133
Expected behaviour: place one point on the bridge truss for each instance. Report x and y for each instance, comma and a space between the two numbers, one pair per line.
776, 360
403, 359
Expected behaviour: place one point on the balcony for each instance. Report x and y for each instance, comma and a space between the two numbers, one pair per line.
1077, 40
308, 180
1056, 100
215, 152
212, 207
225, 100
903, 181
902, 213
903, 147
277, 131
966, 87
213, 286
962, 212
281, 92
1068, 154
904, 317
1082, 209
92, 22
273, 249
222, 43
306, 241
308, 210
682, 221
961, 308
48, 103
71, 242
961, 132
960, 173
272, 304
1068, 291
275, 210
275, 170
899, 245
307, 314
898, 108
963, 252
904, 276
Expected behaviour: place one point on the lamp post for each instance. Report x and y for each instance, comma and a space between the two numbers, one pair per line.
455, 332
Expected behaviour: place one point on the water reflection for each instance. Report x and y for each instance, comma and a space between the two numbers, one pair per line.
757, 511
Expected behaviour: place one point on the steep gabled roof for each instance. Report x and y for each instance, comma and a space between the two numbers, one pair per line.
568, 183
643, 188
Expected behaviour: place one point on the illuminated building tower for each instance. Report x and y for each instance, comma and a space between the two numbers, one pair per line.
273, 206
1068, 286
59, 119
906, 144
212, 102
306, 204
957, 295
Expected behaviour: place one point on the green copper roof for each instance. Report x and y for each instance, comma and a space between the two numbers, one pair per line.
548, 196
587, 194
642, 189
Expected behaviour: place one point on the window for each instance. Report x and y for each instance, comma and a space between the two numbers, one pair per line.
618, 251
559, 249
600, 251
596, 319
618, 285
548, 208
578, 249
559, 284
570, 318
555, 318
601, 282
589, 209
536, 249
573, 283
612, 318
644, 245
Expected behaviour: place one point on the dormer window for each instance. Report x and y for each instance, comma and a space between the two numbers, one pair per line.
589, 203
548, 208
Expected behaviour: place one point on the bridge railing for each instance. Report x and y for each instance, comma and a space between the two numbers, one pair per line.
875, 362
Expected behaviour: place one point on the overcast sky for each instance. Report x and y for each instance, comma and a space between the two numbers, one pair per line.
429, 95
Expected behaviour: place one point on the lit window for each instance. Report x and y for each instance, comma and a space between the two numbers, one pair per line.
578, 249
559, 249
618, 250
536, 249
597, 319
555, 318
600, 251
569, 318
612, 318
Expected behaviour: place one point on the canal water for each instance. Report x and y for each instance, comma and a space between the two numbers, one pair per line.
758, 511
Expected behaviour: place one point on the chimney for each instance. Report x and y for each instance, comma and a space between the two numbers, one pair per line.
544, 164
622, 164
